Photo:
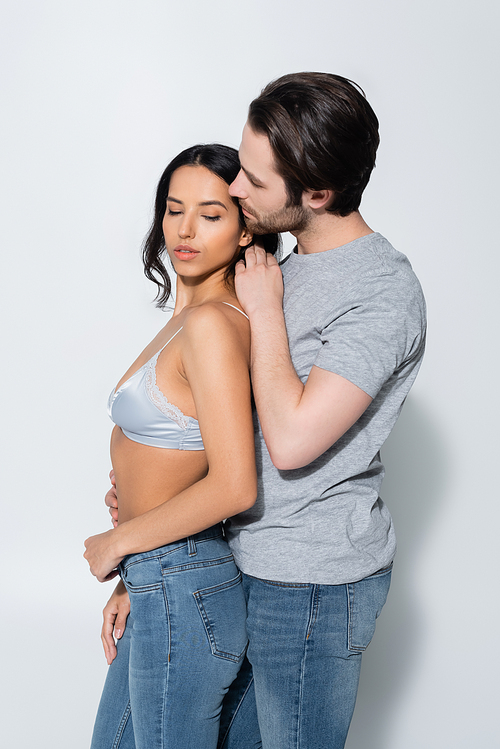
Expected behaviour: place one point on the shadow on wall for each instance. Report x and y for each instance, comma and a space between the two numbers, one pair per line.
417, 468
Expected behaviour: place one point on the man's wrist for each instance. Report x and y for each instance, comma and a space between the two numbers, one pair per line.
263, 314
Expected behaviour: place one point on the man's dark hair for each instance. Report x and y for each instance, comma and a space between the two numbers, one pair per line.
323, 134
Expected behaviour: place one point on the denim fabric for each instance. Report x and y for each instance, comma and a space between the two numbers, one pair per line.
305, 649
183, 645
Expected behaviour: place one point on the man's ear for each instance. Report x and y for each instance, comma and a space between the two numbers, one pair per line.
246, 239
316, 199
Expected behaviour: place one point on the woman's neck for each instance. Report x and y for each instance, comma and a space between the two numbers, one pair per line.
194, 294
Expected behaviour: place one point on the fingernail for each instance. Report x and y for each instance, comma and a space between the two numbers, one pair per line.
118, 633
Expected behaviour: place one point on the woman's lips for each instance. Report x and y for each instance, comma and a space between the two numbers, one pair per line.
185, 252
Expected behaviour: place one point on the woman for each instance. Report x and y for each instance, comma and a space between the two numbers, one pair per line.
183, 455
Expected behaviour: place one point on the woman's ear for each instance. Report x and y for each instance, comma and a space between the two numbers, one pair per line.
246, 239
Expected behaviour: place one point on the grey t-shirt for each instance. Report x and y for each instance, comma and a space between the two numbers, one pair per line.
358, 311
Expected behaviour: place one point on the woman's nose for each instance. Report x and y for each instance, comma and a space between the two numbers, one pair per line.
185, 229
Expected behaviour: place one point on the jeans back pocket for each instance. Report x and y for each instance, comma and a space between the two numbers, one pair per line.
223, 611
366, 599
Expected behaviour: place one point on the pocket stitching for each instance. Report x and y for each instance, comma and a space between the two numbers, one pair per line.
142, 588
198, 596
197, 565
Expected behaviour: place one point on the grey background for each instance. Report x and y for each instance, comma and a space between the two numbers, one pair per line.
97, 97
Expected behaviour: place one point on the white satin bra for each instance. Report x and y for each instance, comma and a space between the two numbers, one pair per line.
145, 415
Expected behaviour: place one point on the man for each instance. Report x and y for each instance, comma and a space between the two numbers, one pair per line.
332, 362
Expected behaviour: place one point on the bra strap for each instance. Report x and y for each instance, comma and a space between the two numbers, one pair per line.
170, 339
237, 309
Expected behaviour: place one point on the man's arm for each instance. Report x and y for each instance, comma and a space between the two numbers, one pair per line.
299, 422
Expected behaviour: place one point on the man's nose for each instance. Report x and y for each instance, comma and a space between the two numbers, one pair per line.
236, 188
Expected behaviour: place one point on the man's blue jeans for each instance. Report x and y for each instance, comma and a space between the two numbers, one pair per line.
305, 652
182, 647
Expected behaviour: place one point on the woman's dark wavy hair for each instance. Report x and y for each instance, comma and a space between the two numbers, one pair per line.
222, 161
323, 134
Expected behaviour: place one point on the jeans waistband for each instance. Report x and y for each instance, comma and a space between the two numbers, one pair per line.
216, 531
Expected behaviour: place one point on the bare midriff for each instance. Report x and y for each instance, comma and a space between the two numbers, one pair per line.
149, 476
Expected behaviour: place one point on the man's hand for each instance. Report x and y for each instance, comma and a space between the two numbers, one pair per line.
299, 421
111, 500
115, 615
258, 281
101, 555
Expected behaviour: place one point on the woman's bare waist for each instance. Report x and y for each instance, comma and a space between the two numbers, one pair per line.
148, 476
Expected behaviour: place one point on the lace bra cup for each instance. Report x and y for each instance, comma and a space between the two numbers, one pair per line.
145, 415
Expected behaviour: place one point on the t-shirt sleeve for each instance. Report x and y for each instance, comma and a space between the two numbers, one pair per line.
378, 334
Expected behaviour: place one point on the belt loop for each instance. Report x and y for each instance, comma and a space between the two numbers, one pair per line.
191, 546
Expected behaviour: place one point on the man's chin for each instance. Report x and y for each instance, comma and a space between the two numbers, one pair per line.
290, 218
254, 226
259, 230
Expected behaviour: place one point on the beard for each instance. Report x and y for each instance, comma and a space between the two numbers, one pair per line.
291, 217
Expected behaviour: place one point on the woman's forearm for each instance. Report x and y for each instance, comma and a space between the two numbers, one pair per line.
200, 506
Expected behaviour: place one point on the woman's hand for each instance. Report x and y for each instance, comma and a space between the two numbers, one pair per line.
115, 615
102, 556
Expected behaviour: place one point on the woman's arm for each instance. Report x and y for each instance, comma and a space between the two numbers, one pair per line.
215, 358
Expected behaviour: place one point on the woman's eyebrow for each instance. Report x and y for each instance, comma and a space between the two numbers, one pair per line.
213, 202
204, 202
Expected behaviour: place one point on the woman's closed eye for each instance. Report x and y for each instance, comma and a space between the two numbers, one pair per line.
170, 212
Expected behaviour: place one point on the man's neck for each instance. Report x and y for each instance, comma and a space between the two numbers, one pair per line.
327, 231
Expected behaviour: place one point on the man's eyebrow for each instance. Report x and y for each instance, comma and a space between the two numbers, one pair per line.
204, 202
255, 180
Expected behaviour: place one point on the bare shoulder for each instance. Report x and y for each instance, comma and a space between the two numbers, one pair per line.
217, 321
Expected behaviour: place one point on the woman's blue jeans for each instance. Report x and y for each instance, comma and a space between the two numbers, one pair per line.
305, 649
182, 647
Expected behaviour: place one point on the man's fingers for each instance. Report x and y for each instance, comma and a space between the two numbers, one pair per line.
256, 255
111, 500
250, 258
260, 254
